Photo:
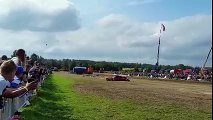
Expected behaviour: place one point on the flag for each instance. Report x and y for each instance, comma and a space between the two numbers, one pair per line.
163, 27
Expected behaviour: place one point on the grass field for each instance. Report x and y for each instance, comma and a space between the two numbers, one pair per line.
74, 97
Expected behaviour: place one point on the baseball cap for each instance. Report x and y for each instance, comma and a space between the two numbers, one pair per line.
19, 70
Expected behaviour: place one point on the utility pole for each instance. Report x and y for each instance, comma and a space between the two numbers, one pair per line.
204, 65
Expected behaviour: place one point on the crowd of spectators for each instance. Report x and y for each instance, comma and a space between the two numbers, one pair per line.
178, 74
19, 76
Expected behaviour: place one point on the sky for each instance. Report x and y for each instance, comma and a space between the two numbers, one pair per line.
109, 30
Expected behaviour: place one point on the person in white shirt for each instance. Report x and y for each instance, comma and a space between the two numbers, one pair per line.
7, 73
3, 84
20, 59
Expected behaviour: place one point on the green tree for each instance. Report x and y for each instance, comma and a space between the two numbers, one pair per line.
34, 57
65, 64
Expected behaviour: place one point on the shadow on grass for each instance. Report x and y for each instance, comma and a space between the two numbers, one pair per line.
48, 104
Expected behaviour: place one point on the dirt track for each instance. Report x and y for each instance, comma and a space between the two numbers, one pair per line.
143, 91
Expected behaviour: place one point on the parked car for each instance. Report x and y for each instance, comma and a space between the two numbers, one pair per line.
117, 78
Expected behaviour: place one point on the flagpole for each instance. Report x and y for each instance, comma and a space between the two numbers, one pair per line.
204, 65
158, 55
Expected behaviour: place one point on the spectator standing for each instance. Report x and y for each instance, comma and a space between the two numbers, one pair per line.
20, 59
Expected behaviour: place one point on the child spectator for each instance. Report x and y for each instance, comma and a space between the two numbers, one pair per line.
7, 74
17, 79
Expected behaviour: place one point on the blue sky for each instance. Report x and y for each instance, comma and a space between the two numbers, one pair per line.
142, 10
109, 30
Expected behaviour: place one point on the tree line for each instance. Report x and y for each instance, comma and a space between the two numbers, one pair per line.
69, 64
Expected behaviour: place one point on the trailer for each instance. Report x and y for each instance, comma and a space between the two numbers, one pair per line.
80, 70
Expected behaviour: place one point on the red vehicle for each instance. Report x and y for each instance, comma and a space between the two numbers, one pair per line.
117, 78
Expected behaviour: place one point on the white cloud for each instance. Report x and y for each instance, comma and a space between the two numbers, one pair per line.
118, 38
38, 15
47, 6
